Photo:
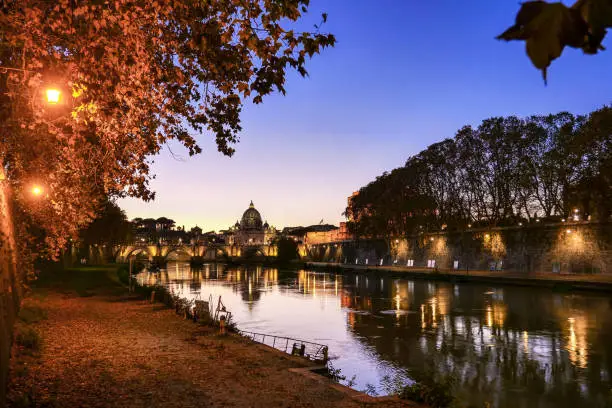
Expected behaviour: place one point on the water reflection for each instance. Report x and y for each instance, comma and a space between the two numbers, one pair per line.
506, 346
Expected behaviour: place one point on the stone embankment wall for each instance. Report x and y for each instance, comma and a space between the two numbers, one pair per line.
579, 247
9, 283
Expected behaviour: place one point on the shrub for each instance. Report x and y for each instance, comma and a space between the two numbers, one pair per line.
32, 314
123, 273
436, 394
29, 339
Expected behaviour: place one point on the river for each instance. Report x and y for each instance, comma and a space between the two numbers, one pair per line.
504, 345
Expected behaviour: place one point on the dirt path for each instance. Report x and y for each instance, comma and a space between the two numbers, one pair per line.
113, 351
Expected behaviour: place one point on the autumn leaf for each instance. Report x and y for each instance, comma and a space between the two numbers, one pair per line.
598, 15
547, 29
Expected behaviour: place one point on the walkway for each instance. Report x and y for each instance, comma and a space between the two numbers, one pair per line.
577, 281
110, 350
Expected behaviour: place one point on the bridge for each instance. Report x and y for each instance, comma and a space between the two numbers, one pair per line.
197, 253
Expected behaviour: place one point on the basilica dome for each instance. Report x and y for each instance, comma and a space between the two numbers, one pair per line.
251, 219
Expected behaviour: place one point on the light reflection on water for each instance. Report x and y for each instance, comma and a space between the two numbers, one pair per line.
508, 346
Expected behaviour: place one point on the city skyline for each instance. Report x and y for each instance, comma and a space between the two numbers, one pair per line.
370, 116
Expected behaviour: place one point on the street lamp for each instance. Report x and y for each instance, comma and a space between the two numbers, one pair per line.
37, 190
53, 96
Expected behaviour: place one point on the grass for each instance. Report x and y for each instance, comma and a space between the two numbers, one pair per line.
84, 281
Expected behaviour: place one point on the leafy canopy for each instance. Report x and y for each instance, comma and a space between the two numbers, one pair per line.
547, 28
132, 74
507, 171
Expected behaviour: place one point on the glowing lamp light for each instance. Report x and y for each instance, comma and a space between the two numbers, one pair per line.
575, 210
431, 239
53, 96
569, 231
37, 191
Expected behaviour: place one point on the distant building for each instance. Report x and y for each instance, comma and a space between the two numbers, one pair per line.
161, 230
327, 235
298, 234
251, 230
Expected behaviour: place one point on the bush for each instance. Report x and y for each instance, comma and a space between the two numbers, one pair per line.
123, 273
32, 314
436, 394
29, 339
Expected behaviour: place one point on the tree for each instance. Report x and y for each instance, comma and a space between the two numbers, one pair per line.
437, 169
133, 74
550, 163
547, 28
592, 189
506, 170
394, 204
287, 250
110, 227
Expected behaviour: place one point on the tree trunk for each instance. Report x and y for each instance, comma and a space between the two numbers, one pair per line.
9, 283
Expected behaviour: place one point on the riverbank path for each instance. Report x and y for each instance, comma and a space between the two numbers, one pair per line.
104, 348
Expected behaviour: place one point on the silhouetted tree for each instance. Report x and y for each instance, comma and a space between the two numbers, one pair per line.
505, 170
109, 227
287, 250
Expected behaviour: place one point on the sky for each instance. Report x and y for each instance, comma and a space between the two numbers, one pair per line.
403, 75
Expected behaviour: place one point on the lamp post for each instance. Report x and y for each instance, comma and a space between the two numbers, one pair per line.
36, 190
53, 96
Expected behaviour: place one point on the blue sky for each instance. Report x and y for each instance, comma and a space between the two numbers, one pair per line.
404, 74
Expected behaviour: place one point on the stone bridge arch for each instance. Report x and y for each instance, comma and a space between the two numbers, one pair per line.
135, 251
179, 250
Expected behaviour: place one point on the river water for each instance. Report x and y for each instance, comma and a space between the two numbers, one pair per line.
506, 346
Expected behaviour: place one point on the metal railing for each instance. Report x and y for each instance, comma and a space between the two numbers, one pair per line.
197, 309
312, 351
